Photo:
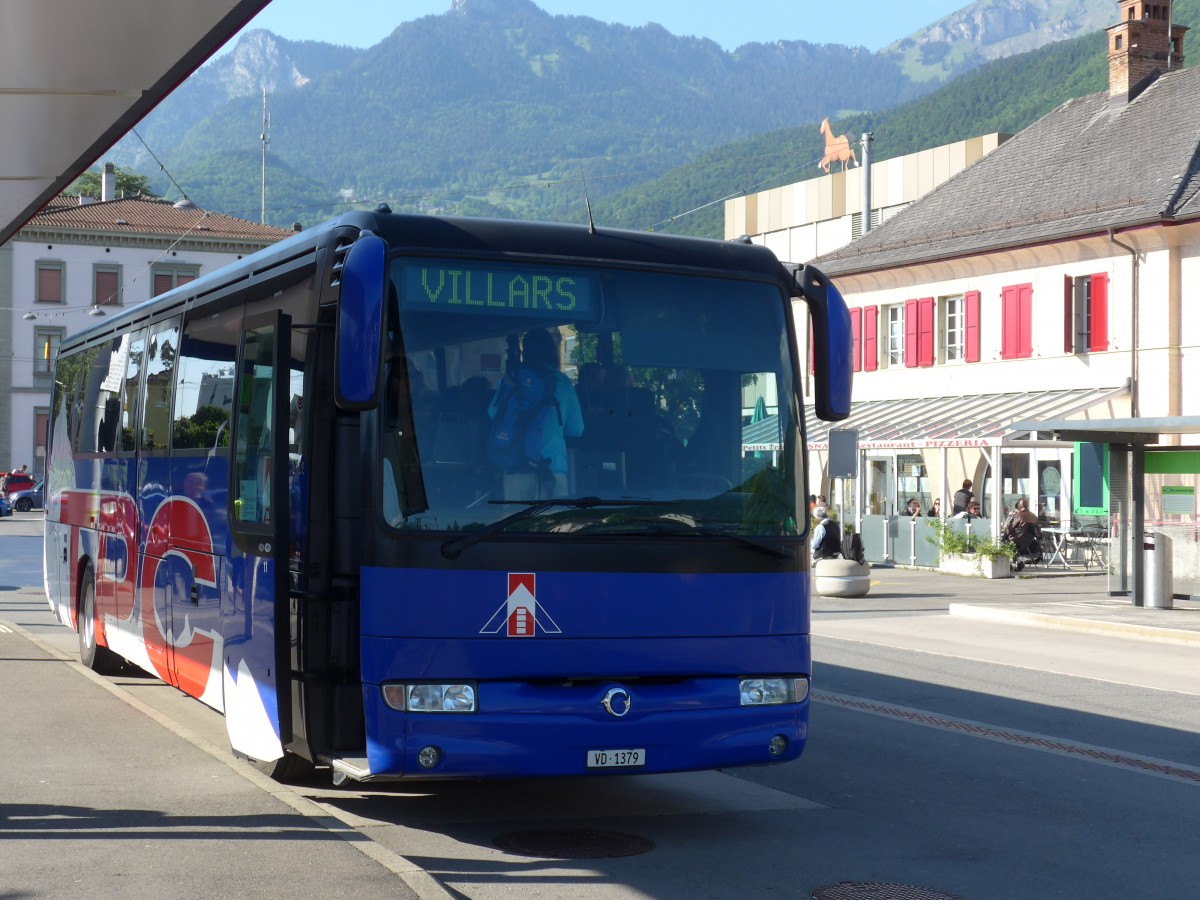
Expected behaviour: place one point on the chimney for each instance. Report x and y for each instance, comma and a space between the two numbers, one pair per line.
1142, 46
108, 183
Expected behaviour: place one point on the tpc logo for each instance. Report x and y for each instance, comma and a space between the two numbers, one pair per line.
520, 615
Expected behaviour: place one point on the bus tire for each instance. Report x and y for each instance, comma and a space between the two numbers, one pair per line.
99, 659
288, 769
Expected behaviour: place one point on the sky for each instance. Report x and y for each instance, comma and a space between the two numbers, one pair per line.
869, 23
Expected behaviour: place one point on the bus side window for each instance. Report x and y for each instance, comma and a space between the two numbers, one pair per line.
160, 370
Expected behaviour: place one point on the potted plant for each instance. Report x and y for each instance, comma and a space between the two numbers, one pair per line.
963, 554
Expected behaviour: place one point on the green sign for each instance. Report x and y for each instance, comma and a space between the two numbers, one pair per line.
519, 291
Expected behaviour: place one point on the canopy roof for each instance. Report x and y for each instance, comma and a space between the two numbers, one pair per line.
981, 420
75, 76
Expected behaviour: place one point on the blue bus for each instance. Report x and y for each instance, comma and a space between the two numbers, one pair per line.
276, 488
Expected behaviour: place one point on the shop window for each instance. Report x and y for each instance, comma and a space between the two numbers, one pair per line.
1016, 310
1085, 314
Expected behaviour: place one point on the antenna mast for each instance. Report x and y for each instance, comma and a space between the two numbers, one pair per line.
265, 137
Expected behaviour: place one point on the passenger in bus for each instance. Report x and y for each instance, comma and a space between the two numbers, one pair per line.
548, 476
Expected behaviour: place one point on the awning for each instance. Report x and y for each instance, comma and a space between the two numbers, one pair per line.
980, 420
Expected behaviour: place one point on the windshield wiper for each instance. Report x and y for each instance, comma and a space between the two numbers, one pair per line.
672, 526
453, 549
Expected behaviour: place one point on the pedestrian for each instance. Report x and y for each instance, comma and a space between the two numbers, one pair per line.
826, 541
963, 497
971, 512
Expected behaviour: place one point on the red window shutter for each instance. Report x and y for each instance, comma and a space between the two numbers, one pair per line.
107, 286
910, 333
925, 331
49, 286
1008, 323
856, 334
1068, 314
183, 279
1025, 337
1099, 335
971, 326
162, 283
870, 337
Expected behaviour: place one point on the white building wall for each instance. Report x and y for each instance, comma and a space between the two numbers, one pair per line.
78, 259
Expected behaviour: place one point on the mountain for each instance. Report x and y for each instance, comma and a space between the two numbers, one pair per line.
496, 107
1006, 95
993, 29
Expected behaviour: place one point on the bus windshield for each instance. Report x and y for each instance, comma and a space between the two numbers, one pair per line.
665, 401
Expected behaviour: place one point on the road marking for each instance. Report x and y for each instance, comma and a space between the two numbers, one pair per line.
1147, 765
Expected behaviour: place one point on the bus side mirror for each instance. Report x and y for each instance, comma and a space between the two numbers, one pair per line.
833, 343
359, 347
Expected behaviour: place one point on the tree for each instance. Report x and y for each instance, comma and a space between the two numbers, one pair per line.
129, 184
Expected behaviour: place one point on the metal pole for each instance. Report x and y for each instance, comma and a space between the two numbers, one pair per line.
1137, 517
866, 180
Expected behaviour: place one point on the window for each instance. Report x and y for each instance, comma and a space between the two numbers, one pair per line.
168, 277
45, 350
953, 329
106, 286
49, 282
1016, 341
204, 394
131, 390
159, 370
1085, 314
893, 317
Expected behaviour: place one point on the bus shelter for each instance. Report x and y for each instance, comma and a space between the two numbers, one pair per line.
1139, 484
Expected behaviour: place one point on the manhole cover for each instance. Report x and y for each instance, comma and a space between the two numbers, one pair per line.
871, 890
572, 843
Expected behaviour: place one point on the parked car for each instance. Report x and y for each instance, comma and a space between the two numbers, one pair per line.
27, 499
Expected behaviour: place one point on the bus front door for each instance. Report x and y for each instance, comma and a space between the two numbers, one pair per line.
255, 617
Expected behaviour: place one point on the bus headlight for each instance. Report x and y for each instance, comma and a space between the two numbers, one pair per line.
430, 698
773, 691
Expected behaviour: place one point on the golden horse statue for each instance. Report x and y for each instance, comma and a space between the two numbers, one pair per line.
837, 149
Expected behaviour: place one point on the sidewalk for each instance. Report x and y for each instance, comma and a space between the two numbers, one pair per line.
1043, 598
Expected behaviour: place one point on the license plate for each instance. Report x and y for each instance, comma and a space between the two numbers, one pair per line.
616, 759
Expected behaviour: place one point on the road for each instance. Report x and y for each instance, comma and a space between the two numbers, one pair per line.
952, 756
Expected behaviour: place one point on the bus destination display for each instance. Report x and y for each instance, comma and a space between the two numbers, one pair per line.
497, 290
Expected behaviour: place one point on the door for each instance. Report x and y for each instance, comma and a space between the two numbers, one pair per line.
254, 618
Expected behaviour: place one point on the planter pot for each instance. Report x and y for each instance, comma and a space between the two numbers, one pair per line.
842, 578
977, 566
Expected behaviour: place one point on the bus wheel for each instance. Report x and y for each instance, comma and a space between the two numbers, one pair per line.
99, 659
288, 769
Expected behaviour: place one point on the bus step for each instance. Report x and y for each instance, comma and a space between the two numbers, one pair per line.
355, 767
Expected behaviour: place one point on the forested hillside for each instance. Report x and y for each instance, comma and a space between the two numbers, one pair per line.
1007, 95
